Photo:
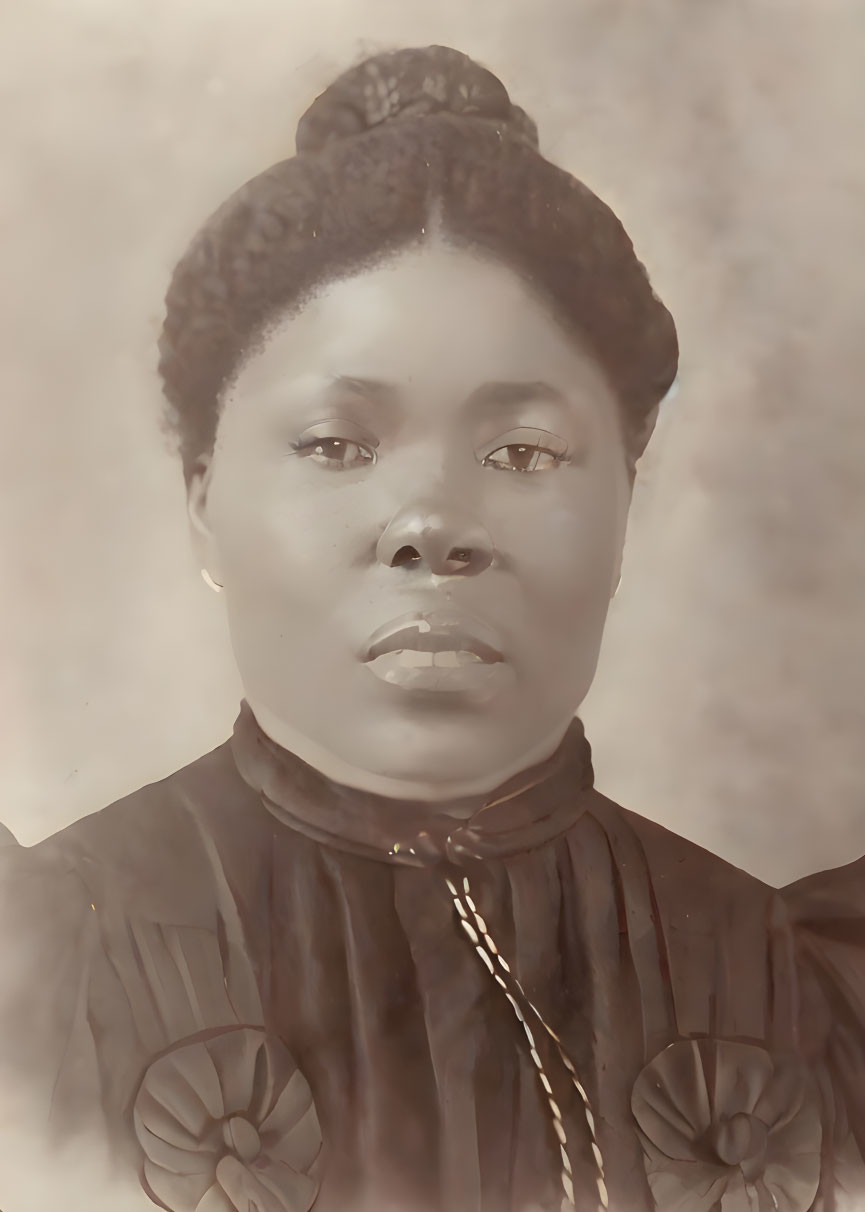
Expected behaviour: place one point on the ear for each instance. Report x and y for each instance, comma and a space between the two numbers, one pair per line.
197, 506
626, 495
641, 439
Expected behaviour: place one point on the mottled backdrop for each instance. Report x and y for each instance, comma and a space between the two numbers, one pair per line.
728, 136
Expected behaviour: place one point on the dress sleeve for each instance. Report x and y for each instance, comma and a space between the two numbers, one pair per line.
827, 915
47, 941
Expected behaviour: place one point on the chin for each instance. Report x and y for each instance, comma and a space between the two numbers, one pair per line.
440, 748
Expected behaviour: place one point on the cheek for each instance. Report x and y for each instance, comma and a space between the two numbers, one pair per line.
273, 537
565, 546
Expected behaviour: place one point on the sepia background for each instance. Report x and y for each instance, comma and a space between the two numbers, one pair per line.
730, 704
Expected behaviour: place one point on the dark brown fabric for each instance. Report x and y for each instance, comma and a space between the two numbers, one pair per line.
191, 908
527, 811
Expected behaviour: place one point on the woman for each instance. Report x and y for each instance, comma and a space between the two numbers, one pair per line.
388, 947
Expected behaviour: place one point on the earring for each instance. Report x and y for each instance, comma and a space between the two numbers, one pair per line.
209, 581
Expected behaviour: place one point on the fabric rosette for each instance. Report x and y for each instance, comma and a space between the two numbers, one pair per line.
727, 1126
227, 1124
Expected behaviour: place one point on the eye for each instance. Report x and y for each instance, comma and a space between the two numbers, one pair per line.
522, 458
527, 450
338, 454
336, 445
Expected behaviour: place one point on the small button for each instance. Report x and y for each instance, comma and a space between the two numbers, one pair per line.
242, 1138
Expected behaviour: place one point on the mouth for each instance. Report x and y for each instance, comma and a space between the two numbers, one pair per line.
433, 638
434, 651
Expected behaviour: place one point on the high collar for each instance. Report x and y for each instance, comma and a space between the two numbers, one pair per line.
525, 812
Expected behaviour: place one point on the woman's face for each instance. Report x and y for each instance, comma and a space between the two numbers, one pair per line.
416, 505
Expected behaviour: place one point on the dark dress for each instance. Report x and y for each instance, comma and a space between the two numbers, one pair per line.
268, 992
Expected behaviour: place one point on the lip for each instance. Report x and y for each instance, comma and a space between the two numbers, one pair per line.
434, 631
439, 655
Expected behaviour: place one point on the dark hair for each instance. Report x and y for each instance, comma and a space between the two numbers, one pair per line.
406, 143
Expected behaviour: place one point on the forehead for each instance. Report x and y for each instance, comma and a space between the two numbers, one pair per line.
430, 314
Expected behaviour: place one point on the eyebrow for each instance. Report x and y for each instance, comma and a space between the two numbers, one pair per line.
501, 393
509, 394
370, 389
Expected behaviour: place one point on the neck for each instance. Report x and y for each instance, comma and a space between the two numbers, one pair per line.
337, 770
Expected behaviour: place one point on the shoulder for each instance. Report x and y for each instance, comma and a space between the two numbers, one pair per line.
698, 930
121, 929
153, 814
151, 844
827, 916
826, 912
681, 871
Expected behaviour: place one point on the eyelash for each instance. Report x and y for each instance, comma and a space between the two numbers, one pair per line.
314, 445
556, 459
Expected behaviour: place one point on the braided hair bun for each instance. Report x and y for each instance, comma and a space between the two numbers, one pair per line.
405, 147
408, 84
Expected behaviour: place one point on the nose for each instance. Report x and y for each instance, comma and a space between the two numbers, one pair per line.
449, 543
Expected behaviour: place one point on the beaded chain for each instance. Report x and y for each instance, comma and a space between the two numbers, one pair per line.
476, 929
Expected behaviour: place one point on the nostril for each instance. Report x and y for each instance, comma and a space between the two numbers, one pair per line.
405, 555
460, 555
